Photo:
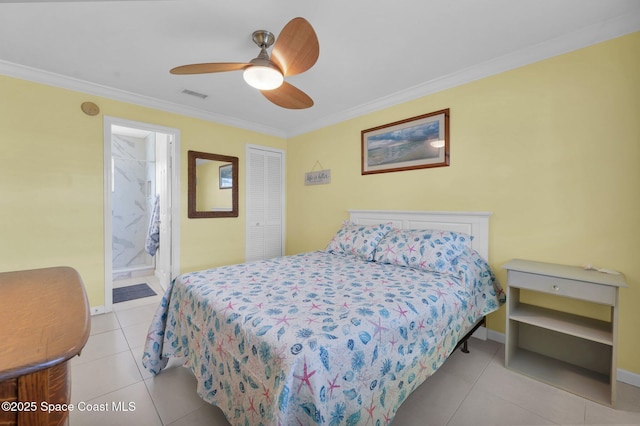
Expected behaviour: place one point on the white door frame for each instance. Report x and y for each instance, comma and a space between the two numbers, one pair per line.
174, 209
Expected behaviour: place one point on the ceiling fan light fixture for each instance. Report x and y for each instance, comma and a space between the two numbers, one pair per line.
295, 51
263, 77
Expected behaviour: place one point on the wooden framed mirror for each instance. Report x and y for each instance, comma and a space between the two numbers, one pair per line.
213, 185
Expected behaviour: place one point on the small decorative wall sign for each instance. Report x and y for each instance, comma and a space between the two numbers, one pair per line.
320, 177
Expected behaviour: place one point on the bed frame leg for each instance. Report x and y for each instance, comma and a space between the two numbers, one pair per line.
463, 342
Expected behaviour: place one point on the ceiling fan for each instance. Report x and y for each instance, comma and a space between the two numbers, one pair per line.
294, 52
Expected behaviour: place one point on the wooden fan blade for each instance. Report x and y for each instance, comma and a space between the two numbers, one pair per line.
288, 96
209, 68
296, 49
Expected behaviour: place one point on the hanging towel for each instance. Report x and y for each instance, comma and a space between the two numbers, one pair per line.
153, 234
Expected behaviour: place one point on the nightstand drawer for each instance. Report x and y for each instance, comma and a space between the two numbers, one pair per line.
563, 287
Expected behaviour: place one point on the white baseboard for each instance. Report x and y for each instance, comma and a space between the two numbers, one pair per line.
97, 310
480, 333
495, 336
624, 376
629, 377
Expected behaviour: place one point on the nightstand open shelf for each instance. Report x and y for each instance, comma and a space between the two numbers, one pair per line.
572, 352
563, 375
574, 325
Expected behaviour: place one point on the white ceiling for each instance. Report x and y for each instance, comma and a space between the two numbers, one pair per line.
373, 53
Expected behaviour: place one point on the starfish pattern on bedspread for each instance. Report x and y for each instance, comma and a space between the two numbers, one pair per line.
316, 338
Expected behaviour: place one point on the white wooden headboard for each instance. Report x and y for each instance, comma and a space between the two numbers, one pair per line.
472, 223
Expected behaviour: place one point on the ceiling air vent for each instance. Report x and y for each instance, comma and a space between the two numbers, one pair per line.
196, 94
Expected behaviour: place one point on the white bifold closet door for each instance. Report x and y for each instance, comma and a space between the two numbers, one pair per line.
265, 203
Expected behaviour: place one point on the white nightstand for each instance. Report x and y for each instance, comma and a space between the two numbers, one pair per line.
568, 351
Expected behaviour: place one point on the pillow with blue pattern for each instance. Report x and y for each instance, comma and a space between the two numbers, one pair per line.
427, 249
358, 240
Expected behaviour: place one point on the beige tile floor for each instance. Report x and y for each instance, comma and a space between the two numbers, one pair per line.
469, 389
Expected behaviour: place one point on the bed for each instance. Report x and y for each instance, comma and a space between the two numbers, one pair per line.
336, 336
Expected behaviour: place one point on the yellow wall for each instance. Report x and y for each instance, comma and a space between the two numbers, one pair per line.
552, 149
51, 182
208, 192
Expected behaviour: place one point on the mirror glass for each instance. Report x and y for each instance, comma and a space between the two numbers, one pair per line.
213, 185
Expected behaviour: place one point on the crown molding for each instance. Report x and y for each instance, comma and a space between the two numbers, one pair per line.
52, 79
587, 36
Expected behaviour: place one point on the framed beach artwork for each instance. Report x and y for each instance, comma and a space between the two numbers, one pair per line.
226, 176
415, 143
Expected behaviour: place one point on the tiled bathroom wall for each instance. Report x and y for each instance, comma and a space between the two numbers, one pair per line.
133, 189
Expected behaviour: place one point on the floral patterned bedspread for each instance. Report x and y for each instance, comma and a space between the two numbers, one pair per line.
316, 338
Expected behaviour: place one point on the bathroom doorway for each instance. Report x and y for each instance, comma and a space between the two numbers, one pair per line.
141, 190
